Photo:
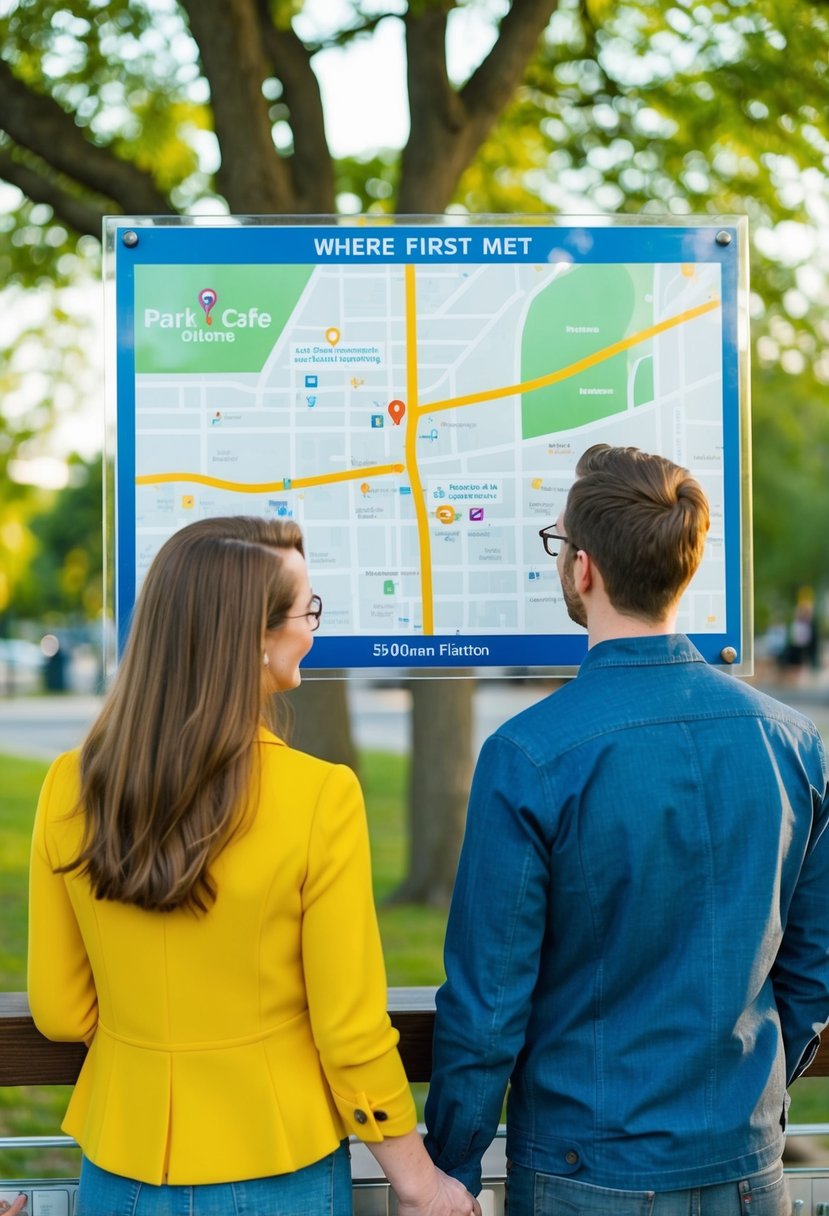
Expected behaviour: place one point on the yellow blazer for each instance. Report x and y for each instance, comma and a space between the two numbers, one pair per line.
237, 1044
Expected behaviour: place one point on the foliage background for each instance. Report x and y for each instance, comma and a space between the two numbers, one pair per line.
660, 106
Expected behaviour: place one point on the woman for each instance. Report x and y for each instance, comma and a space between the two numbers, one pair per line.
201, 915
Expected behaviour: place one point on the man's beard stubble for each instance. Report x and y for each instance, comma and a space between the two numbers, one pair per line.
572, 600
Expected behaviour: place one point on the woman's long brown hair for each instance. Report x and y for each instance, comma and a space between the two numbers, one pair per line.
167, 768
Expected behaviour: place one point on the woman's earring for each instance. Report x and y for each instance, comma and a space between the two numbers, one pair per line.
266, 661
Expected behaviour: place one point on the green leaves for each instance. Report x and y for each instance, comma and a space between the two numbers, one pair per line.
64, 576
655, 106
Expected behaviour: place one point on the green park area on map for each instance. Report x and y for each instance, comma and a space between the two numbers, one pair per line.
574, 317
178, 330
218, 319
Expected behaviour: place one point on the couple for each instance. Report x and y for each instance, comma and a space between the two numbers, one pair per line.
638, 942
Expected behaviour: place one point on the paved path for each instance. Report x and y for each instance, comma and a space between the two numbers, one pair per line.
43, 726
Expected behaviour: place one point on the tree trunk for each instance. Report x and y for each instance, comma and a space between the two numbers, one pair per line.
319, 722
447, 129
252, 177
439, 780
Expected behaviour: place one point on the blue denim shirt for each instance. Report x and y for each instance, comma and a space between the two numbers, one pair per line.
639, 933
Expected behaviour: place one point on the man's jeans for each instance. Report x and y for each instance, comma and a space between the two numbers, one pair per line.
531, 1194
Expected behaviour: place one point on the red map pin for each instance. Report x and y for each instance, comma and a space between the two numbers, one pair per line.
397, 409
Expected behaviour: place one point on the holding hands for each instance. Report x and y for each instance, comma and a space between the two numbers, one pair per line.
421, 1188
450, 1198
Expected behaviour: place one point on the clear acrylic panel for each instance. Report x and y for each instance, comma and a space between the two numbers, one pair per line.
415, 392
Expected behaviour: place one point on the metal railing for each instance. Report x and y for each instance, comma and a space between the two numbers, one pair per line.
27, 1058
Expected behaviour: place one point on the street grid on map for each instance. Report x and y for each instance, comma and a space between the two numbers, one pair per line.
421, 477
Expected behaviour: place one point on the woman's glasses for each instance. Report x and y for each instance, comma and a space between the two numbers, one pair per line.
313, 614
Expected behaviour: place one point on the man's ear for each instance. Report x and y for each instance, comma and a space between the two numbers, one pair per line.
583, 572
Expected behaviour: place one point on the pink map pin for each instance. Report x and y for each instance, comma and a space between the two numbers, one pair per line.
207, 299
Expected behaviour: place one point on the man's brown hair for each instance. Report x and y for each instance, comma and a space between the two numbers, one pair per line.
643, 520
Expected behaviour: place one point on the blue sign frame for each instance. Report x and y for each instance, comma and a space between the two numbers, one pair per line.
136, 243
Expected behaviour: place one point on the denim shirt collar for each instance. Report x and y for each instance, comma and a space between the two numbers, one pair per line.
648, 651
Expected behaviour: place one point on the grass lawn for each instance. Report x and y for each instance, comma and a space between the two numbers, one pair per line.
30, 1110
412, 939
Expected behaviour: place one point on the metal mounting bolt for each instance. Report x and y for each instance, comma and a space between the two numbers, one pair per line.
130, 239
728, 654
723, 237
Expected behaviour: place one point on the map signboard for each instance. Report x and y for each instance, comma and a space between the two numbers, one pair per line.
415, 395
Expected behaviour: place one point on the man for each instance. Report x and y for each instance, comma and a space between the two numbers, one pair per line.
639, 933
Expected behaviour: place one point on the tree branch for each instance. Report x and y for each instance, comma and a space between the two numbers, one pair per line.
490, 87
252, 177
311, 167
448, 127
80, 214
37, 122
342, 38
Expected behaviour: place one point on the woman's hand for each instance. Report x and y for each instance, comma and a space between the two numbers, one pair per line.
421, 1188
12, 1209
449, 1198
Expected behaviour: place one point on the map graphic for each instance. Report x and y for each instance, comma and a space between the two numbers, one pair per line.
421, 420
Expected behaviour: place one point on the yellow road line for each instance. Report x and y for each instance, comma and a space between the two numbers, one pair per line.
413, 414
573, 369
264, 487
412, 417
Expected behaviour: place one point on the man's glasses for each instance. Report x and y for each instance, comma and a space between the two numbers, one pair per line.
552, 541
313, 614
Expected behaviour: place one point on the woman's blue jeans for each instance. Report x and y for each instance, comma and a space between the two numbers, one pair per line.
532, 1194
323, 1189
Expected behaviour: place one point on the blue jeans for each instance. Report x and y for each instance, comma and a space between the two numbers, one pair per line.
323, 1188
531, 1194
